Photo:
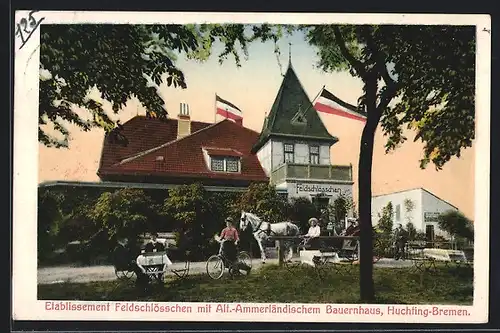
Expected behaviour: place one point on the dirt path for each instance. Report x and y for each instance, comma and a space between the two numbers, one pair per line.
61, 274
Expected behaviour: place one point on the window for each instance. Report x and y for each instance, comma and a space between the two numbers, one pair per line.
217, 164
232, 164
224, 164
398, 213
289, 152
314, 154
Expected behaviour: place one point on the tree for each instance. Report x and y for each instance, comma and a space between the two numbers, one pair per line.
456, 224
341, 206
123, 213
412, 231
50, 218
264, 201
121, 61
300, 210
427, 74
385, 222
192, 210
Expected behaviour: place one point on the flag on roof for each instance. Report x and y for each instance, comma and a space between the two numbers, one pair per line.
227, 109
329, 103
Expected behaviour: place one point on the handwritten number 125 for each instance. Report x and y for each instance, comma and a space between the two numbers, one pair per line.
26, 27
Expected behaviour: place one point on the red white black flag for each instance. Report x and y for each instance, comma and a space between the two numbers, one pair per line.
329, 103
227, 109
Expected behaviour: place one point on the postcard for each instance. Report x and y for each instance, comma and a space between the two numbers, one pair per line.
255, 167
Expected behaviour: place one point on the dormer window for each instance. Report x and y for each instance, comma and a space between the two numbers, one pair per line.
225, 163
223, 159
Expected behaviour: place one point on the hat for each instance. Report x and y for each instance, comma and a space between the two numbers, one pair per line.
229, 219
313, 219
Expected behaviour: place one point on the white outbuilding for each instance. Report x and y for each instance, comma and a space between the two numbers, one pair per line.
418, 206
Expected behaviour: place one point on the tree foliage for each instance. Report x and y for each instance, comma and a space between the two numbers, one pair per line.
428, 72
192, 209
264, 201
418, 77
456, 224
411, 231
385, 222
300, 210
123, 213
121, 62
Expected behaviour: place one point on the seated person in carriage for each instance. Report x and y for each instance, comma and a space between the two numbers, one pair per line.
229, 238
351, 230
311, 239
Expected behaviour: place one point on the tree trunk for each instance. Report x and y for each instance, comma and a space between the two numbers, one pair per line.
367, 289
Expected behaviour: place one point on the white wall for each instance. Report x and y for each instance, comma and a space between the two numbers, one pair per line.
379, 202
264, 156
277, 154
432, 204
423, 202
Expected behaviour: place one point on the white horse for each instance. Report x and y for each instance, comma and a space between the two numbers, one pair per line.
262, 230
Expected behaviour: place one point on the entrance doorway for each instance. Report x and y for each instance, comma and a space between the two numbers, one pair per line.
429, 234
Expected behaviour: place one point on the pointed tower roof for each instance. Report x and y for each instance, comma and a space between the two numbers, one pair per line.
293, 115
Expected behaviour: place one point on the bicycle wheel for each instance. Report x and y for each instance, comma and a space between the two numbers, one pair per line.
245, 259
182, 270
215, 267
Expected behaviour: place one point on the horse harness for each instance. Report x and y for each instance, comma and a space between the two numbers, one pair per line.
267, 231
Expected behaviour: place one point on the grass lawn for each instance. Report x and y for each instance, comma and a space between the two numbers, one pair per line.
275, 284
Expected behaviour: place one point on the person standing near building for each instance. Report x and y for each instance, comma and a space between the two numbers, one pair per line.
400, 237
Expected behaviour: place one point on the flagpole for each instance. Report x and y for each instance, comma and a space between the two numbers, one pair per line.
315, 98
215, 108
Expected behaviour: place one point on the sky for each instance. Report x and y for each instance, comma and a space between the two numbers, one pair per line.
253, 88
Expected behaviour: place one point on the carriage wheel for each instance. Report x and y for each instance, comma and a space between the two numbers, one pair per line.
123, 275
183, 271
215, 267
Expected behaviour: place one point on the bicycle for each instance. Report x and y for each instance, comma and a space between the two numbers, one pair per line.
220, 262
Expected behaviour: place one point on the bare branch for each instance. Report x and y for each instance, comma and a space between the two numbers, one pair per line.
355, 63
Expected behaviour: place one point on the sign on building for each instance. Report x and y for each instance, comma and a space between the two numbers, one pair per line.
431, 216
328, 189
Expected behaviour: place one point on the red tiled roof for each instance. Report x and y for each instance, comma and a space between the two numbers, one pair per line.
183, 157
142, 133
222, 152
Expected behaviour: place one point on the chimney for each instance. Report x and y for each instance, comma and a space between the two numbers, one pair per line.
184, 121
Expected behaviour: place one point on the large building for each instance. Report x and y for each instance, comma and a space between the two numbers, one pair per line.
424, 206
180, 151
292, 151
294, 148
